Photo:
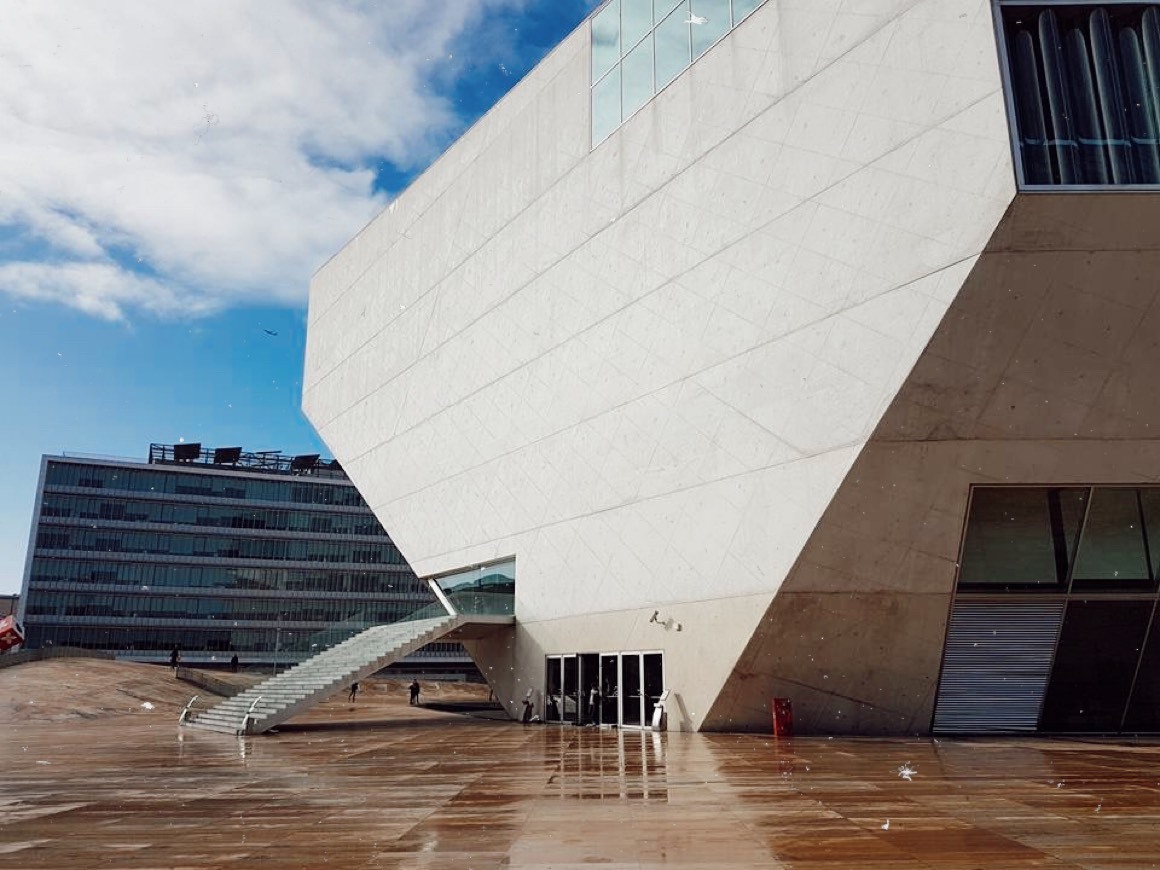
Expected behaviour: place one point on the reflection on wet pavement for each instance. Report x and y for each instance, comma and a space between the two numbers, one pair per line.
436, 790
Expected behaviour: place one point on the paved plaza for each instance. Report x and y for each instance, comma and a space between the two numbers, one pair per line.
380, 784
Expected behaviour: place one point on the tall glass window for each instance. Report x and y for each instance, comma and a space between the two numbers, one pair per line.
1084, 84
640, 46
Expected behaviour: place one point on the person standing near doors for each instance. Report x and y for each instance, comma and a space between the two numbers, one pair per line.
593, 717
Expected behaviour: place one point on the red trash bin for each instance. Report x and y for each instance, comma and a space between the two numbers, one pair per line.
782, 717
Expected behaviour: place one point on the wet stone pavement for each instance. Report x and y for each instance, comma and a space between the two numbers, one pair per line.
428, 789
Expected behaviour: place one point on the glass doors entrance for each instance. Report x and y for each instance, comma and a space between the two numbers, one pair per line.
619, 689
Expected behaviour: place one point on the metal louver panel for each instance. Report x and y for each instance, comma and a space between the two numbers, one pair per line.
996, 664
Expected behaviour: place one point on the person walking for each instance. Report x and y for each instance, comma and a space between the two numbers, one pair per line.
414, 693
353, 692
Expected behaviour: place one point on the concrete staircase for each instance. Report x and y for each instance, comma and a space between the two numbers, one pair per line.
272, 702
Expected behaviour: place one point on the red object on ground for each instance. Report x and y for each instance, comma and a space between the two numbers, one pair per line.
10, 634
782, 717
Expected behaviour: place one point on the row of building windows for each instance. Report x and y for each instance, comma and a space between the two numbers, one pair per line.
231, 486
147, 606
1083, 79
1056, 539
52, 570
214, 546
159, 641
640, 46
59, 506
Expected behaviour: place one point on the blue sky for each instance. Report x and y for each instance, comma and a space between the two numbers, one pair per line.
171, 175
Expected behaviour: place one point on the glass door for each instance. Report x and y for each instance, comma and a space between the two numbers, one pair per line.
632, 709
654, 683
589, 689
553, 695
571, 705
615, 689
609, 689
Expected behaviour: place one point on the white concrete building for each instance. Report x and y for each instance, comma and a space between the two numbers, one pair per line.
720, 322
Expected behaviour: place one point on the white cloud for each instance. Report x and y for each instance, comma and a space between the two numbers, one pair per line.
221, 144
99, 288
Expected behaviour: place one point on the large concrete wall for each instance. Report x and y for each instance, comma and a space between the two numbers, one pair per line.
645, 370
1042, 372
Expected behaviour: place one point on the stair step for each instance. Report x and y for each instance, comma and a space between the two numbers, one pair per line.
306, 683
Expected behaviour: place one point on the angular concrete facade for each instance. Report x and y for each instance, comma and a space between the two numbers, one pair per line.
1041, 370
724, 367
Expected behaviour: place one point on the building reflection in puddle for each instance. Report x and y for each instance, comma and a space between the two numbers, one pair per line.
606, 764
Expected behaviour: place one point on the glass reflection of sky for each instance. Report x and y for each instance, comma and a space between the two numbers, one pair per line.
640, 46
489, 589
716, 24
605, 39
672, 45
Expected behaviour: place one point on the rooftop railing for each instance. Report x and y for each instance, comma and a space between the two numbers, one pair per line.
236, 459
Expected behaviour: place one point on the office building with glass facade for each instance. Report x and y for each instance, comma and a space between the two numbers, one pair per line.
216, 553
796, 350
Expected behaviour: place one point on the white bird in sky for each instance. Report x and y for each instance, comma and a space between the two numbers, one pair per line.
696, 19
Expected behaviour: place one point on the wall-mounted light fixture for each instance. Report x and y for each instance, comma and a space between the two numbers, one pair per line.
668, 624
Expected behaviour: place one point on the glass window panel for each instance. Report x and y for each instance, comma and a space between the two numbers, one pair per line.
1150, 500
488, 589
637, 75
742, 8
1144, 707
661, 8
636, 20
710, 22
1020, 536
606, 106
1112, 553
1067, 508
672, 45
1099, 648
605, 39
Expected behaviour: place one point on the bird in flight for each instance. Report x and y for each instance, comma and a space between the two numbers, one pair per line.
696, 19
269, 332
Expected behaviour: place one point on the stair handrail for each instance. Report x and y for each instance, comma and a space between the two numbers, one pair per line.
185, 713
246, 716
